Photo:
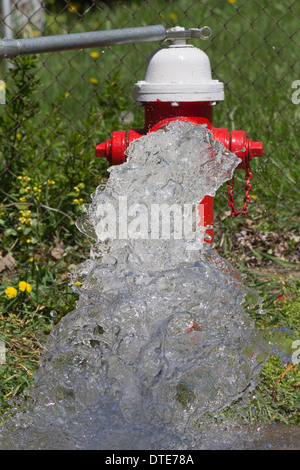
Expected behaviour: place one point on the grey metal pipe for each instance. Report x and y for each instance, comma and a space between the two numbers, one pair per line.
10, 48
7, 23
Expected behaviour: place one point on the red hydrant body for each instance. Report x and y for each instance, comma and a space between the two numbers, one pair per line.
166, 100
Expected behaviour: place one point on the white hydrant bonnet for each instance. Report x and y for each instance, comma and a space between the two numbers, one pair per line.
180, 72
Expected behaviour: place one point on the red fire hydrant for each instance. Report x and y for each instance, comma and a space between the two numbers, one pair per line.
178, 85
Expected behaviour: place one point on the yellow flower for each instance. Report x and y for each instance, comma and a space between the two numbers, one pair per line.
173, 16
11, 292
24, 178
77, 190
51, 182
78, 201
24, 220
24, 286
19, 136
67, 94
25, 213
24, 216
253, 196
81, 185
35, 258
95, 54
74, 6
232, 1
28, 288
77, 284
94, 81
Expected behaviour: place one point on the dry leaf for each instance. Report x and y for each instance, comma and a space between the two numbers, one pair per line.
72, 266
57, 252
7, 262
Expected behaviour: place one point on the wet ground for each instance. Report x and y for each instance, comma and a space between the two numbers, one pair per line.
259, 437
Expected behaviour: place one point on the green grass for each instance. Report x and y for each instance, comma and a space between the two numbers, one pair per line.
277, 396
54, 118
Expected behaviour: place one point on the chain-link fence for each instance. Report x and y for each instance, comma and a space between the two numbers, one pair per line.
60, 105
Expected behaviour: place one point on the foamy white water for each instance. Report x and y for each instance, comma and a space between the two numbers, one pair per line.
160, 335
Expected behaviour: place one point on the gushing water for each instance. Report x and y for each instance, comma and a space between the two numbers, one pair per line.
160, 335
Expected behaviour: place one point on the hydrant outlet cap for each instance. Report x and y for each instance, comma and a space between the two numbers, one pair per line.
256, 149
180, 72
101, 150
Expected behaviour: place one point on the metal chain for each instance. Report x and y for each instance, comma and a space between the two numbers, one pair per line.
247, 198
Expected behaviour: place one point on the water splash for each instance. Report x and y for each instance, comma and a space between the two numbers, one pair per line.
160, 335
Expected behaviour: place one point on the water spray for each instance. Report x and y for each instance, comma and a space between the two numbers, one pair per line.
159, 336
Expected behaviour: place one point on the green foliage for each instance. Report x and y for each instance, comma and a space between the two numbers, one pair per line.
43, 187
44, 182
277, 396
275, 399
